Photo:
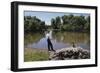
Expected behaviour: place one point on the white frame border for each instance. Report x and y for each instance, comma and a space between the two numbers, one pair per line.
22, 64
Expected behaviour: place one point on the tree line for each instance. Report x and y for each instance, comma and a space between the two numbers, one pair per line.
71, 23
63, 23
33, 24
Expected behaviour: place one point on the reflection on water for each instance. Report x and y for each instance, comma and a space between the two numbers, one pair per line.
59, 40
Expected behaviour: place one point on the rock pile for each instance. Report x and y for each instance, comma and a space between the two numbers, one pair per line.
69, 53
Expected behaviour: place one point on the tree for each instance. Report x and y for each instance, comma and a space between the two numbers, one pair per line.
33, 24
58, 22
42, 25
53, 23
65, 19
75, 23
87, 25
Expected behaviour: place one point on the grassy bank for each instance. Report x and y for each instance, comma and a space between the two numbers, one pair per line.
35, 55
61, 54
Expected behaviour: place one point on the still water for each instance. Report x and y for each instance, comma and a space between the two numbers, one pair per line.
59, 40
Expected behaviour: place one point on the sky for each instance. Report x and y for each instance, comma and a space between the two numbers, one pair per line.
47, 16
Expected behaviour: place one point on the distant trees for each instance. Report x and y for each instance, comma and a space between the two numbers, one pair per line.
53, 23
71, 23
56, 23
64, 23
32, 24
87, 25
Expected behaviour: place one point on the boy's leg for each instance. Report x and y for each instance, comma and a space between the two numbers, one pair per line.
52, 47
48, 47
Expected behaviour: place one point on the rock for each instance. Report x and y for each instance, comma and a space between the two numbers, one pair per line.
69, 53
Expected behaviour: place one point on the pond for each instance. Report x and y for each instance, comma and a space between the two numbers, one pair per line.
59, 39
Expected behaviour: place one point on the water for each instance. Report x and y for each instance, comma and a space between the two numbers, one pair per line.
59, 40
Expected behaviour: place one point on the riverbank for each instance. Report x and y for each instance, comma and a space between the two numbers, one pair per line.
60, 54
35, 55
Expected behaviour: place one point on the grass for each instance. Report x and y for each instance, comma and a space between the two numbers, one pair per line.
35, 55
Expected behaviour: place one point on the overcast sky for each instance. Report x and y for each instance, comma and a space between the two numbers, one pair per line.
47, 16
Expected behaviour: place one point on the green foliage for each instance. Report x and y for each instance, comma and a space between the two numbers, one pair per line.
32, 24
71, 23
87, 25
53, 23
56, 23
64, 23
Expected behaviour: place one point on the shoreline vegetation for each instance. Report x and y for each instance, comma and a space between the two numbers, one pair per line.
61, 54
63, 23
